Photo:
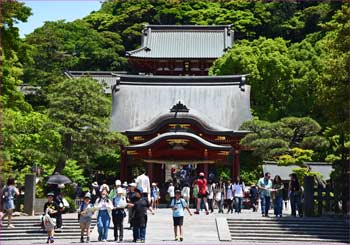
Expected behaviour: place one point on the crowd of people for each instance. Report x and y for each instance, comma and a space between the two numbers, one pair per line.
139, 197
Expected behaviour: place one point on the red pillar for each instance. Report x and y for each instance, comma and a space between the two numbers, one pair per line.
150, 171
205, 169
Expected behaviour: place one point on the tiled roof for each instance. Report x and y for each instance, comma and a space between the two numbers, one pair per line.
137, 100
104, 77
323, 168
184, 42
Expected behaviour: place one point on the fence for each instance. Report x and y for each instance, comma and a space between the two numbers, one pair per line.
322, 198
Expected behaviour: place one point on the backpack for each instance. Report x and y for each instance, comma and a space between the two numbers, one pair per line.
181, 201
5, 194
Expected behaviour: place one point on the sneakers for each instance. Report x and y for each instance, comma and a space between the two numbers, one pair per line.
104, 240
176, 238
10, 226
143, 241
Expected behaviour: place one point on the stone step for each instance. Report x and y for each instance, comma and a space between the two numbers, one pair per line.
327, 226
253, 241
290, 229
285, 239
42, 239
289, 221
27, 231
296, 234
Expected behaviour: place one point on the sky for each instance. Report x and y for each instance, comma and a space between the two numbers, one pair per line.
46, 10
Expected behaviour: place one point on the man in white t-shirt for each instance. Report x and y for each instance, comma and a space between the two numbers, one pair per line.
171, 192
142, 181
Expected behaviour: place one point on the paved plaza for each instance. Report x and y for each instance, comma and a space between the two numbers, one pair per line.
200, 229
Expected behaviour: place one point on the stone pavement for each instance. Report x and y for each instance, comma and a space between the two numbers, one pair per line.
198, 229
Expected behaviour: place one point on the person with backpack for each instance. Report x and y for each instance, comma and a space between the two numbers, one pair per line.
50, 209
253, 193
295, 194
86, 211
139, 219
178, 206
103, 205
229, 196
238, 193
118, 214
131, 198
8, 195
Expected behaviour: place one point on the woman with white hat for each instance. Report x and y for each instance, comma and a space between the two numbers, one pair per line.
154, 196
118, 214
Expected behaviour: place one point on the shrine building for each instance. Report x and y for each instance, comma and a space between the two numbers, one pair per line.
172, 112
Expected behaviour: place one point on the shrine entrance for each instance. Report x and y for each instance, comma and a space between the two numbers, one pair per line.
180, 140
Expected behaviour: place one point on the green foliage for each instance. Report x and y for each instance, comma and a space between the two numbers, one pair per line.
72, 206
74, 46
73, 171
29, 139
282, 140
223, 173
83, 109
13, 52
297, 157
250, 176
302, 172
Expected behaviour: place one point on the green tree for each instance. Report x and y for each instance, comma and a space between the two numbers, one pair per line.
61, 45
282, 140
83, 109
30, 139
13, 52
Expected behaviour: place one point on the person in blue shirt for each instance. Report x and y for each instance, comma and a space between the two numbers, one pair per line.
265, 185
8, 195
178, 205
86, 211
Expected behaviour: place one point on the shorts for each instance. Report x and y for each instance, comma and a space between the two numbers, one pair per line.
178, 221
9, 205
85, 225
202, 195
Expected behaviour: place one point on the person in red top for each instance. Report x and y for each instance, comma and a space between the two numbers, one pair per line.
202, 193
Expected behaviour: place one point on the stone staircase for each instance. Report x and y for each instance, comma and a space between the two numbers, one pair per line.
289, 230
29, 229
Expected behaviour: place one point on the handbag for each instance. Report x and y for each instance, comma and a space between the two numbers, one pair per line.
218, 196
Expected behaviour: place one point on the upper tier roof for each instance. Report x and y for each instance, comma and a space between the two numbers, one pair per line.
184, 41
